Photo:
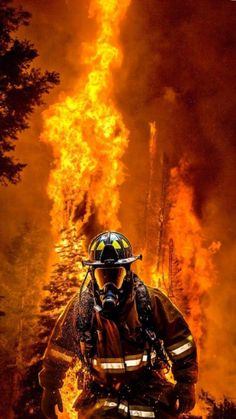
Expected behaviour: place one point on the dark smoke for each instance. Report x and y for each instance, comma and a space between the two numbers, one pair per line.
178, 70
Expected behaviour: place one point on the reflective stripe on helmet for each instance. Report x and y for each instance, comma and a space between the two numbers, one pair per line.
182, 348
125, 244
101, 246
120, 365
116, 244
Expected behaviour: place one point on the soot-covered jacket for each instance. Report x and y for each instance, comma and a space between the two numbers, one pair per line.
120, 351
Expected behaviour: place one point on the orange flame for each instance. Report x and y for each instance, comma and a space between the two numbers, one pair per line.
88, 138
87, 133
196, 267
185, 271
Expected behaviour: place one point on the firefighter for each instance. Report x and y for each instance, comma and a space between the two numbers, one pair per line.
126, 335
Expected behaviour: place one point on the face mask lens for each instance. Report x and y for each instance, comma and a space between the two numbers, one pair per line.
113, 275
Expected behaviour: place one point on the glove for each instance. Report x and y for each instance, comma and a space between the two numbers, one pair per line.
185, 393
86, 398
50, 399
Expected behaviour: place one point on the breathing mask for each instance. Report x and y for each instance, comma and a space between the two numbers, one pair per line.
109, 281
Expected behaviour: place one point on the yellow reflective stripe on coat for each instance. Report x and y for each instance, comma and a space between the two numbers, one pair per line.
141, 412
110, 404
59, 354
136, 411
106, 404
111, 365
123, 408
120, 365
180, 349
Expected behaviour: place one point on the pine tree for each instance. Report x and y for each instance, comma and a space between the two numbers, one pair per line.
64, 282
23, 266
21, 87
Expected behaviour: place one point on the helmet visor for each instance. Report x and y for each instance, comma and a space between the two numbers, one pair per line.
114, 275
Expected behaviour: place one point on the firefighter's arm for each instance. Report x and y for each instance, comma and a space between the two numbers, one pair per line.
59, 356
178, 340
180, 347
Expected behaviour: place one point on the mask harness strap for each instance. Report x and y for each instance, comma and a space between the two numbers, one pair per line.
146, 318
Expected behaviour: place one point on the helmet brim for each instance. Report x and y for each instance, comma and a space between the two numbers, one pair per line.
120, 262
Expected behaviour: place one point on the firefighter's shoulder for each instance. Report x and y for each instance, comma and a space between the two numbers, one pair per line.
160, 299
63, 339
69, 310
172, 326
165, 313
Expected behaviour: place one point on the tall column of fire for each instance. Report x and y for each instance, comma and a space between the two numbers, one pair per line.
88, 139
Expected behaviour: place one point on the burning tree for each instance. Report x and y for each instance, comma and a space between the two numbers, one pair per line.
64, 282
24, 264
89, 138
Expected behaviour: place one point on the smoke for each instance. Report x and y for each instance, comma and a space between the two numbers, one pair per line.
178, 70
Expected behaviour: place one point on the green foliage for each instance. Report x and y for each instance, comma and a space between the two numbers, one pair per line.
21, 87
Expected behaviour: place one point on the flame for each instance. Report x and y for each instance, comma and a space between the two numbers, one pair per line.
88, 139
87, 132
196, 272
148, 270
184, 267
185, 271
189, 272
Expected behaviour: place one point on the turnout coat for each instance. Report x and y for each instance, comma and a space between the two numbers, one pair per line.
121, 358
